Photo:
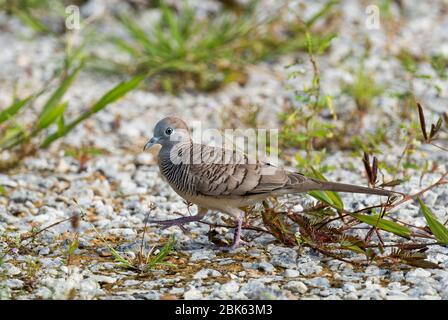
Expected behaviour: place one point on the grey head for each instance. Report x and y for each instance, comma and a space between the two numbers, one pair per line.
168, 132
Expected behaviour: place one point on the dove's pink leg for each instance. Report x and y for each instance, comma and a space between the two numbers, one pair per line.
236, 236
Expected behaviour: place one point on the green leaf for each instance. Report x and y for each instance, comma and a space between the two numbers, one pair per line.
162, 254
322, 12
334, 196
3, 191
10, 136
56, 97
111, 96
438, 229
383, 224
351, 246
51, 116
139, 35
61, 123
13, 109
322, 196
172, 23
124, 46
27, 18
117, 92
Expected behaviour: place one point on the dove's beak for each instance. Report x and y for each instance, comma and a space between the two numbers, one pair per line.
150, 143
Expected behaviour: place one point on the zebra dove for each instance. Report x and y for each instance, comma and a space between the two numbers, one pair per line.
224, 180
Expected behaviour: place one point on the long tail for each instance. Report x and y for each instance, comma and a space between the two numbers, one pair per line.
314, 184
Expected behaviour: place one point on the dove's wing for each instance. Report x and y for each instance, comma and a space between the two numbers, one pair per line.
212, 171
224, 172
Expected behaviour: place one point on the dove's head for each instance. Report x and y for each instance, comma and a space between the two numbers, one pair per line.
169, 131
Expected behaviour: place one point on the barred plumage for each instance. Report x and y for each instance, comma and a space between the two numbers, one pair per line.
224, 180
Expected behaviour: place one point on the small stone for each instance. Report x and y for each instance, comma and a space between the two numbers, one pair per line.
419, 272
144, 158
351, 296
230, 287
396, 276
348, 287
309, 268
14, 283
205, 273
296, 287
319, 282
11, 269
43, 293
284, 257
103, 279
130, 283
372, 270
266, 266
124, 232
249, 265
176, 290
202, 255
290, 273
44, 251
151, 295
193, 294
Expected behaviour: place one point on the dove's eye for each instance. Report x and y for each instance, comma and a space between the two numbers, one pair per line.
169, 131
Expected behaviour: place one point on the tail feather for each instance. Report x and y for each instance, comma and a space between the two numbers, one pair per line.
315, 184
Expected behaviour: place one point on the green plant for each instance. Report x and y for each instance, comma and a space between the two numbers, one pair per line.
185, 51
363, 89
440, 64
25, 139
340, 242
303, 127
36, 13
137, 264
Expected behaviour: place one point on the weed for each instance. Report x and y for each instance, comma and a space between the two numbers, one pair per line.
26, 140
143, 262
303, 127
42, 16
187, 52
363, 89
316, 228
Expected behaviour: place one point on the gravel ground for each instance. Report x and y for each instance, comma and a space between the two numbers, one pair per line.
117, 188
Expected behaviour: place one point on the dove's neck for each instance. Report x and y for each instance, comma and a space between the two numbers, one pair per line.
176, 152
174, 165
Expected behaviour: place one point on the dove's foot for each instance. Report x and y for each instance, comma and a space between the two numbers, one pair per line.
237, 241
176, 222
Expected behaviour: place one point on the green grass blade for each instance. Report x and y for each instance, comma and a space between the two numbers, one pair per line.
139, 35
11, 136
172, 21
324, 11
322, 196
125, 46
383, 224
28, 19
437, 228
111, 96
115, 254
333, 196
117, 92
51, 116
351, 246
167, 248
56, 97
13, 109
